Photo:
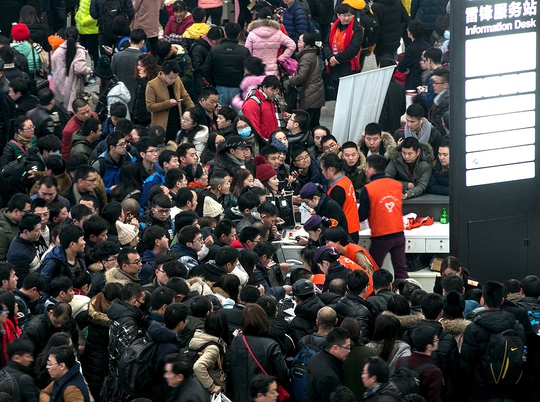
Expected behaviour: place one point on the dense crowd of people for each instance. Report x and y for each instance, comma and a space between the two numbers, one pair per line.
140, 224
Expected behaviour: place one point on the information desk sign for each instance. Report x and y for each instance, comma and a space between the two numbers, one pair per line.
500, 54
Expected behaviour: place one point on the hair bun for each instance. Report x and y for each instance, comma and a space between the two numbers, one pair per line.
259, 160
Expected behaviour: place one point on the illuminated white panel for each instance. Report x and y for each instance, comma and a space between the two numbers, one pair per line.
507, 104
479, 51
496, 157
500, 174
506, 122
484, 142
500, 85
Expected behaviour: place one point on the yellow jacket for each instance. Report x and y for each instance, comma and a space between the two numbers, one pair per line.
83, 21
196, 30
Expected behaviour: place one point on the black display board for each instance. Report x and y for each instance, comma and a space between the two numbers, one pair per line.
495, 125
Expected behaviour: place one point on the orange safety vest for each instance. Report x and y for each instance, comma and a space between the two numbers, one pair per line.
353, 266
350, 252
349, 208
385, 212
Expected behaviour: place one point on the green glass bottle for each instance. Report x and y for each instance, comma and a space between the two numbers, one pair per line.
444, 217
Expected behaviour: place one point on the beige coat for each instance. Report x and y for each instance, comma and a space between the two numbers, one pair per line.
209, 358
158, 100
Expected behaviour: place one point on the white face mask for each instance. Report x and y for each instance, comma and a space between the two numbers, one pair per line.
447, 35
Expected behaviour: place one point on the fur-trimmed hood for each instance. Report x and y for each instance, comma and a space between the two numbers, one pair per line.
361, 163
387, 140
200, 285
263, 23
97, 317
95, 267
119, 276
454, 327
426, 153
407, 321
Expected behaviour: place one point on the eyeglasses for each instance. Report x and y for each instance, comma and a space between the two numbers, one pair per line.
49, 364
161, 211
330, 147
122, 145
29, 128
183, 118
199, 240
302, 158
348, 347
137, 262
140, 302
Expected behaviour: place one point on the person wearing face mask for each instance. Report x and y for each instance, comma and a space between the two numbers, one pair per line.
246, 130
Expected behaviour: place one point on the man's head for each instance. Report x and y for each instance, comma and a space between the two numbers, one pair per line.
382, 279
59, 314
415, 29
530, 286
424, 339
30, 227
492, 294
330, 145
432, 305
134, 294
271, 154
95, 229
373, 137
129, 261
298, 122
72, 239
80, 213
81, 109
350, 153
137, 37
232, 30
176, 316
61, 359
338, 343
209, 99
49, 145
169, 72
433, 58
187, 154
18, 206
415, 117
61, 289
225, 231
17, 89
444, 153
410, 150
186, 199
155, 239
318, 133
326, 318
161, 207
85, 179
168, 160
269, 213
452, 282
227, 258
270, 86
441, 80
21, 351
91, 129
300, 156
168, 270
250, 237
58, 213
191, 236
198, 14
8, 279
34, 285
357, 282
220, 183
177, 368
263, 388
265, 250
106, 252
118, 111
116, 145
160, 299
375, 372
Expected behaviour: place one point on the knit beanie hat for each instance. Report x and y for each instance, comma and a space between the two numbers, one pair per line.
278, 144
20, 32
264, 170
212, 208
126, 232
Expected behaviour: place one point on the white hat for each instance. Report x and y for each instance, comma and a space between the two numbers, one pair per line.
212, 208
126, 232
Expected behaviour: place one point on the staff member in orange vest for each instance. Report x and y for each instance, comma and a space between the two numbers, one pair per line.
380, 202
341, 190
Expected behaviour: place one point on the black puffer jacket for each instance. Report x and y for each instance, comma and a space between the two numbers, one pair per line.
356, 307
140, 114
95, 360
306, 315
39, 33
225, 64
242, 368
474, 347
330, 299
324, 376
379, 301
392, 18
125, 329
23, 375
39, 329
277, 329
199, 52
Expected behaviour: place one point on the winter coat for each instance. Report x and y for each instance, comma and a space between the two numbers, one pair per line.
125, 329
308, 77
199, 140
475, 342
95, 359
304, 322
22, 254
261, 113
116, 275
354, 306
394, 107
379, 301
123, 65
241, 367
72, 125
208, 361
331, 209
70, 387
354, 364
260, 277
248, 83
224, 65
167, 344
23, 375
55, 264
157, 100
295, 21
178, 28
119, 93
39, 34
428, 11
357, 173
80, 145
109, 170
190, 390
66, 87
84, 21
264, 41
314, 175
392, 18
146, 17
344, 67
39, 329
12, 151
95, 6
439, 183
398, 169
411, 61
8, 230
140, 113
324, 376
401, 349
48, 121
30, 53
456, 328
196, 30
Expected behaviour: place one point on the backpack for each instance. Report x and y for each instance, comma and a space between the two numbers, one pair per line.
305, 6
534, 317
370, 23
406, 380
502, 363
313, 27
298, 370
193, 355
9, 385
136, 373
15, 173
108, 11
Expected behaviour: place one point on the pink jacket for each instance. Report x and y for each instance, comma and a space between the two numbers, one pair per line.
147, 16
210, 4
264, 40
65, 88
249, 82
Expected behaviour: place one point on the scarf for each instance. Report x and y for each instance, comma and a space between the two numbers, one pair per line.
236, 162
279, 116
342, 39
23, 142
424, 133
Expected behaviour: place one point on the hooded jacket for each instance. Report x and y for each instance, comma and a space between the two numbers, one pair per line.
80, 145
398, 169
357, 173
55, 264
308, 77
264, 40
304, 322
84, 21
385, 148
196, 30
8, 230
295, 21
224, 65
211, 358
109, 170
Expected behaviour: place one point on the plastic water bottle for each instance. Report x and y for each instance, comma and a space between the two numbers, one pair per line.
444, 217
524, 356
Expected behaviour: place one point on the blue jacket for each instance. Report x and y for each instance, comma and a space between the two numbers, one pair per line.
20, 254
260, 277
148, 266
106, 128
295, 21
55, 264
428, 11
109, 170
411, 61
151, 181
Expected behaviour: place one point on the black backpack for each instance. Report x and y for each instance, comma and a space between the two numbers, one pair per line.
502, 363
534, 316
194, 354
298, 370
9, 385
136, 373
108, 11
370, 23
15, 175
406, 380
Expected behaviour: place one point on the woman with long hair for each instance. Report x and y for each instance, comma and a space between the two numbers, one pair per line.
38, 31
387, 341
266, 175
69, 68
193, 130
211, 149
197, 176
242, 178
9, 325
129, 183
146, 69
40, 364
327, 258
248, 132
